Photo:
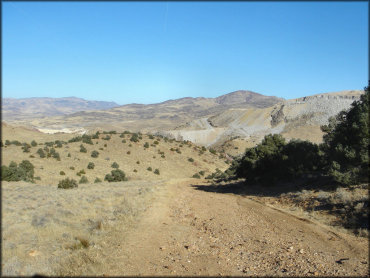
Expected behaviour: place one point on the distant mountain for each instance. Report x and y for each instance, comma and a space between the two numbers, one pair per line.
207, 121
151, 117
37, 107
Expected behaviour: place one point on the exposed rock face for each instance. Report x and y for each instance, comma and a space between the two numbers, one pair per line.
286, 117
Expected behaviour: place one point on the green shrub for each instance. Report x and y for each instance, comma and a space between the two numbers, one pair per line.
149, 168
97, 180
75, 139
146, 145
123, 141
190, 159
135, 170
69, 155
94, 154
201, 173
56, 156
106, 137
212, 151
115, 165
275, 160
91, 165
83, 149
105, 145
83, 180
67, 184
62, 173
16, 143
26, 148
33, 143
87, 139
196, 176
346, 143
24, 171
204, 148
134, 137
72, 168
156, 142
115, 176
128, 152
151, 136
138, 162
156, 171
122, 135
7, 143
41, 153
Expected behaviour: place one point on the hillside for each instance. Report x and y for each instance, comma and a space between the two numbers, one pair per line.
151, 117
217, 122
40, 107
170, 157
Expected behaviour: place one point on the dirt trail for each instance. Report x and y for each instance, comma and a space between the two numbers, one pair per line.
193, 232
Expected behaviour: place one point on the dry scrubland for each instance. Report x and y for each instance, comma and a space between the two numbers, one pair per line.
48, 230
168, 224
132, 157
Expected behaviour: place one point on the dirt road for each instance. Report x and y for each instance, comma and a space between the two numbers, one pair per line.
188, 231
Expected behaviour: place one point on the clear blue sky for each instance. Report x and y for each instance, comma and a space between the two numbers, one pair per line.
148, 52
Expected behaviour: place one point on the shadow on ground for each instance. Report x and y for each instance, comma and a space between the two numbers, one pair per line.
241, 187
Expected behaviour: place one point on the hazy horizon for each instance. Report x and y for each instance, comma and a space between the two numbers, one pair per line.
150, 52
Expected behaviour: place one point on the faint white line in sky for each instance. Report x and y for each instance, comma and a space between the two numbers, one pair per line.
165, 18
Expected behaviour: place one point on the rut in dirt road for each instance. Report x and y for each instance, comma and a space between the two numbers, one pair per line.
193, 232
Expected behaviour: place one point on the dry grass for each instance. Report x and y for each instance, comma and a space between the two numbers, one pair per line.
45, 227
343, 208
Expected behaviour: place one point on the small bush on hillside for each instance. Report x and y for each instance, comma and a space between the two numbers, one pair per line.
26, 148
97, 180
87, 139
122, 135
149, 168
115, 176
67, 184
41, 153
201, 173
95, 136
75, 139
56, 156
115, 165
72, 168
212, 151
134, 137
151, 136
62, 173
178, 150
83, 149
83, 180
156, 171
138, 162
58, 144
33, 143
196, 176
105, 145
106, 137
135, 170
16, 143
24, 171
190, 159
146, 145
128, 152
204, 148
69, 155
94, 154
123, 141
156, 142
91, 165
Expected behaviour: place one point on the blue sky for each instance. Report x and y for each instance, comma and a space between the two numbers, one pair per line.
147, 52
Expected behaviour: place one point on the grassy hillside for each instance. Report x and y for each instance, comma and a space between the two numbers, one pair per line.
173, 159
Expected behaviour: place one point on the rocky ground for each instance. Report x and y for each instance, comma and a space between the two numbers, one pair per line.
186, 229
